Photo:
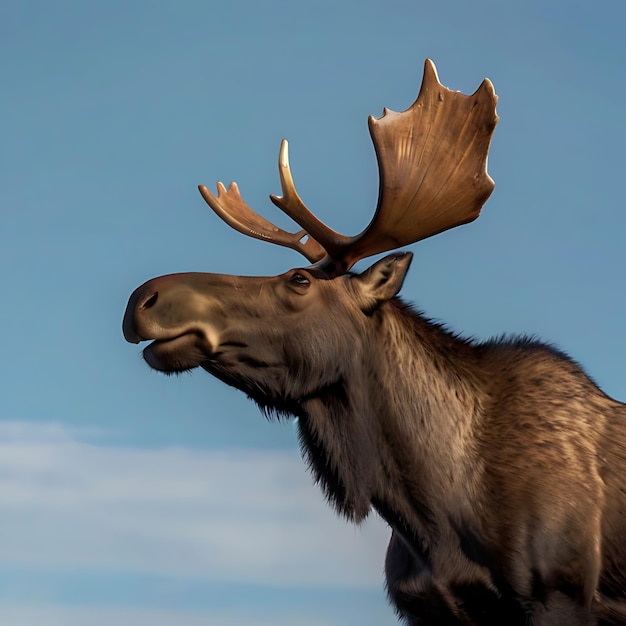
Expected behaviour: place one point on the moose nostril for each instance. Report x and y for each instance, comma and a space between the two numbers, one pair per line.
151, 301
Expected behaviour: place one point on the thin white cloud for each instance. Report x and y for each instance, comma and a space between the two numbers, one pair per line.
238, 516
104, 616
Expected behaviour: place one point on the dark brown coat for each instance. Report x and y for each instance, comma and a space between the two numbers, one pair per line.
500, 466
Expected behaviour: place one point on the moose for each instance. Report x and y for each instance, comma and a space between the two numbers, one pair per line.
499, 466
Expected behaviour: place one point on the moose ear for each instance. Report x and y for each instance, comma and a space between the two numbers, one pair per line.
383, 280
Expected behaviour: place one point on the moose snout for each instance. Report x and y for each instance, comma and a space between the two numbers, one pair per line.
173, 305
143, 298
147, 309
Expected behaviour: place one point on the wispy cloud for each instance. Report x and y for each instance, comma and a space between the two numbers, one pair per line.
69, 501
102, 616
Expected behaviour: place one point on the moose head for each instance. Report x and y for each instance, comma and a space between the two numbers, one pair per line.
433, 176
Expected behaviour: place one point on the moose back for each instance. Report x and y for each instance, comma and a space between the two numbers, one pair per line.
499, 466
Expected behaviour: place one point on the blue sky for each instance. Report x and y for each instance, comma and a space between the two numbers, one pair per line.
127, 497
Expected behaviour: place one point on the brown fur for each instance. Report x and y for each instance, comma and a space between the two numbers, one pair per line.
499, 466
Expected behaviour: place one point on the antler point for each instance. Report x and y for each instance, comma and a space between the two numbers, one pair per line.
487, 87
430, 73
283, 155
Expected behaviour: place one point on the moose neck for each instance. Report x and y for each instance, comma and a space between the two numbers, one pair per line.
407, 409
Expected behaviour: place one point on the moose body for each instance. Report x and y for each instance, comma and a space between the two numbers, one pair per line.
499, 466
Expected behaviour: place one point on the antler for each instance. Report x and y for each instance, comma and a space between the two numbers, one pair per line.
291, 204
433, 165
433, 176
230, 206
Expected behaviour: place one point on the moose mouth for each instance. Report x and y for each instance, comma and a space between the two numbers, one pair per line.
192, 349
177, 354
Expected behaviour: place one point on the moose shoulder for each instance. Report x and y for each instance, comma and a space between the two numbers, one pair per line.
499, 465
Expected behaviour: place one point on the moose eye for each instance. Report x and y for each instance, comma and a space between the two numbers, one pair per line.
299, 279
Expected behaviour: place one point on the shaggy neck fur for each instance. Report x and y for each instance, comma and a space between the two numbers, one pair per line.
408, 409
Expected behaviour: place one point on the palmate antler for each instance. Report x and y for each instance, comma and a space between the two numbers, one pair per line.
432, 160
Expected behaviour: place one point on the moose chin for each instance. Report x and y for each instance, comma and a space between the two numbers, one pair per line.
499, 466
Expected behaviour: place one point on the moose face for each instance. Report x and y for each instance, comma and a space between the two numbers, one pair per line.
280, 336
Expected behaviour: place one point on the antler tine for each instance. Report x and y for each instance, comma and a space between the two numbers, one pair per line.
230, 206
291, 204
